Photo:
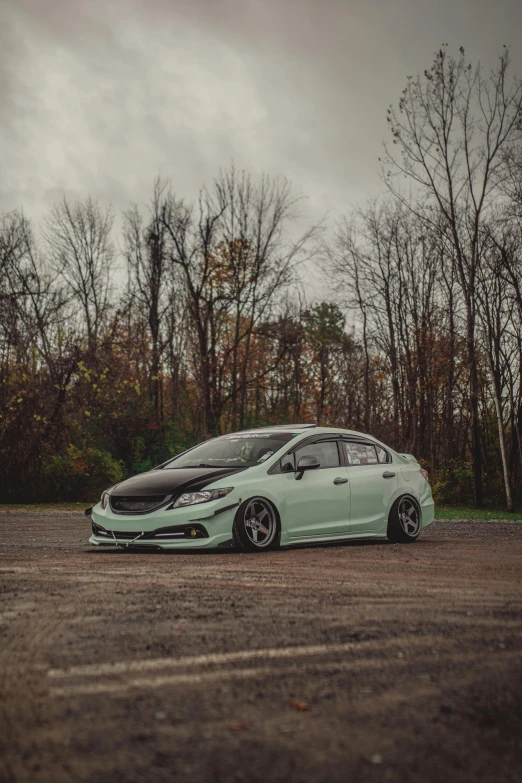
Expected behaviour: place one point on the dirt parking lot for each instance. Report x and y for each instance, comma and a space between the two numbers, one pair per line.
361, 662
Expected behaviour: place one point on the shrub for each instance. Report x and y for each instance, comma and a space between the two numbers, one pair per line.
80, 474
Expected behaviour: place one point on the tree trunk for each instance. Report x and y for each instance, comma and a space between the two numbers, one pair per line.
501, 433
474, 401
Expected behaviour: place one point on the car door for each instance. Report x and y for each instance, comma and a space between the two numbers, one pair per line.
319, 503
373, 483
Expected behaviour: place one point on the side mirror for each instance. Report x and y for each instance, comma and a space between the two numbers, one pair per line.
306, 463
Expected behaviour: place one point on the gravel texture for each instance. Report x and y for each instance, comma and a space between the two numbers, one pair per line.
361, 662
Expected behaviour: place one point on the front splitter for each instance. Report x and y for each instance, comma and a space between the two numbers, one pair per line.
214, 542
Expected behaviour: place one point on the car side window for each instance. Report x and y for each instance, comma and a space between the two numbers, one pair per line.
360, 453
325, 451
287, 464
382, 455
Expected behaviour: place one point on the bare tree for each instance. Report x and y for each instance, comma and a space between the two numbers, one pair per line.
34, 335
495, 318
262, 255
452, 128
153, 284
79, 246
503, 241
512, 186
237, 256
193, 237
383, 264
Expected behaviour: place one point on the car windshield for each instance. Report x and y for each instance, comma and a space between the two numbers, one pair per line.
242, 450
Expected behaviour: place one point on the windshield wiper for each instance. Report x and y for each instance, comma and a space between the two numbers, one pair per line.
224, 465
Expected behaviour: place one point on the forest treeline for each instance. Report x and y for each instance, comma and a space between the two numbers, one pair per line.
119, 348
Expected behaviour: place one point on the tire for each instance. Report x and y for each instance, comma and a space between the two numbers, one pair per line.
253, 517
404, 522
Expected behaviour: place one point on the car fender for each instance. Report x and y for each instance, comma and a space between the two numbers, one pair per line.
259, 486
400, 492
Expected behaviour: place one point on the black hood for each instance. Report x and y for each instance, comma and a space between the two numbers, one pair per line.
169, 481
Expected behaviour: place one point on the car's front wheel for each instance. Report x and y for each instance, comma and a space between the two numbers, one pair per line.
404, 522
256, 526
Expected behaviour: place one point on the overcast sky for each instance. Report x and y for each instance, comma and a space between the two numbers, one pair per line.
99, 96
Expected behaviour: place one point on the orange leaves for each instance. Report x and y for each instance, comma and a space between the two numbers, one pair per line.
299, 705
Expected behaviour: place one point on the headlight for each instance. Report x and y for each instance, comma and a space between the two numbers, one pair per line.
191, 498
104, 500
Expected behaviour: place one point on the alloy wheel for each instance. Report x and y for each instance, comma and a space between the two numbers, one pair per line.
409, 517
260, 523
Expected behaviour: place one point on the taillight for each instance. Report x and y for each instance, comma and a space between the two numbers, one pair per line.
425, 474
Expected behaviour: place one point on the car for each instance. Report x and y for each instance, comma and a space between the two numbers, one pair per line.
267, 488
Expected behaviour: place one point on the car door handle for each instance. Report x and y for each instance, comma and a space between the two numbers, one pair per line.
387, 474
340, 480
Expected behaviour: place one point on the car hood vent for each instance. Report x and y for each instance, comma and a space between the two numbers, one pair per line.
135, 505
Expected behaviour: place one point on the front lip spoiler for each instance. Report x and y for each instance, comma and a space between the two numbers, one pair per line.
109, 544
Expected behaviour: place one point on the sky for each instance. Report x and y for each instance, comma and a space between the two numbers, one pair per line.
100, 96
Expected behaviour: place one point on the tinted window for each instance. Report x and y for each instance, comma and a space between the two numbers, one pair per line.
325, 451
360, 454
240, 450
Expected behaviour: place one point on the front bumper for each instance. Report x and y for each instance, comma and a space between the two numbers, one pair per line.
164, 529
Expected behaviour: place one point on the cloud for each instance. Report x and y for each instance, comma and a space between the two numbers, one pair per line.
99, 97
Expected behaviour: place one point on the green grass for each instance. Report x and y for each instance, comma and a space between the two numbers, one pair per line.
460, 512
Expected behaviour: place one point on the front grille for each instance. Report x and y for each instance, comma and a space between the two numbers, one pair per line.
136, 505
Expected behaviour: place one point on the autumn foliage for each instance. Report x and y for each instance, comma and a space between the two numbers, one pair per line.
117, 352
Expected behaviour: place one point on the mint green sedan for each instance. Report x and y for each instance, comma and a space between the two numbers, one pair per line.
267, 488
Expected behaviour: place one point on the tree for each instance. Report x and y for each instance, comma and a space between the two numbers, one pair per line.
324, 325
34, 344
263, 254
495, 309
452, 128
237, 257
80, 249
150, 282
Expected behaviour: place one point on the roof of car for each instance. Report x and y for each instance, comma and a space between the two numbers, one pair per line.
302, 428
292, 427
314, 429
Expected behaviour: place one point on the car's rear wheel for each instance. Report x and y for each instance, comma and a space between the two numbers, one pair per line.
404, 522
256, 526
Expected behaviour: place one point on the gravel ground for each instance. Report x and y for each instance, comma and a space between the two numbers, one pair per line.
361, 662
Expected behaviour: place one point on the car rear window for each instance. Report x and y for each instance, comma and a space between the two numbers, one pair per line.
360, 453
